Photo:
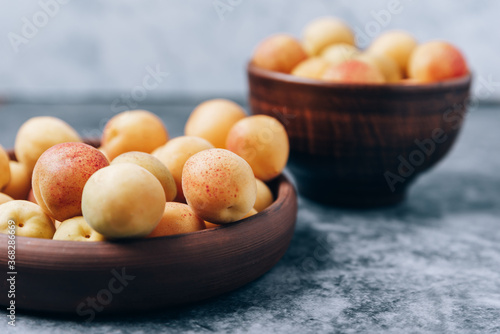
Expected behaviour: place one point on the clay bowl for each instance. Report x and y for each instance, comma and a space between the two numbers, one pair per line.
360, 145
144, 274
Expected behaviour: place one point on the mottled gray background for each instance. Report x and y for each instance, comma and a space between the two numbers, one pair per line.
101, 47
429, 265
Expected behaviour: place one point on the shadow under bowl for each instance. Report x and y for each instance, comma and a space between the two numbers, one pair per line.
360, 145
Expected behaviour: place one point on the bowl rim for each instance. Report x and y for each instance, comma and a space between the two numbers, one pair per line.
405, 87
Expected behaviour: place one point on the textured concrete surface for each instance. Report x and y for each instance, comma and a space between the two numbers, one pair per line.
430, 265
109, 44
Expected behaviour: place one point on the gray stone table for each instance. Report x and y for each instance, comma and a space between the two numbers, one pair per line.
431, 264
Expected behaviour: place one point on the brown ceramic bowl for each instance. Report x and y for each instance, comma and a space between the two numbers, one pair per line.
144, 274
360, 145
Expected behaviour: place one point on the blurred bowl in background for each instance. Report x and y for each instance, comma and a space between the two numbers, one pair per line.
360, 145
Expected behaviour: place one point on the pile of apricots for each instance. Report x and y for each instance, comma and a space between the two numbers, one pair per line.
328, 52
139, 183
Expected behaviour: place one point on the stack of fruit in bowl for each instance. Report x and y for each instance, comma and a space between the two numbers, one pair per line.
328, 52
139, 183
353, 116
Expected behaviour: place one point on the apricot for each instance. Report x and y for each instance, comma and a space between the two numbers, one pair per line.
263, 142
177, 218
5, 198
213, 119
219, 185
312, 68
280, 53
409, 81
387, 66
4, 168
76, 229
353, 71
155, 167
37, 135
60, 175
135, 130
395, 44
250, 213
28, 218
211, 225
264, 196
20, 181
436, 61
101, 149
324, 32
338, 53
31, 196
174, 155
123, 200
